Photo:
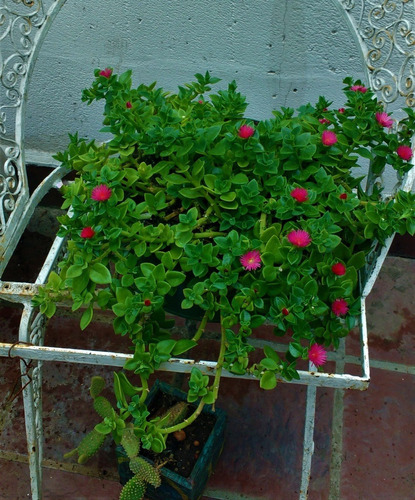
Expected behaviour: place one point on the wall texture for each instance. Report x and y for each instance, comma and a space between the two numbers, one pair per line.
281, 52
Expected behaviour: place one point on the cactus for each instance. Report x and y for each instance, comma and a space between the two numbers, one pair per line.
97, 385
103, 407
174, 415
134, 489
89, 445
145, 471
130, 443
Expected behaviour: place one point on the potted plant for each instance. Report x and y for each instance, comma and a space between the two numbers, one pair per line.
250, 222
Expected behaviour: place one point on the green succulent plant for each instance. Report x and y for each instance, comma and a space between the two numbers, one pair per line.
252, 222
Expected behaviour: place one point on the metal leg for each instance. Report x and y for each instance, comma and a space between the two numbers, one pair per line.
33, 332
308, 440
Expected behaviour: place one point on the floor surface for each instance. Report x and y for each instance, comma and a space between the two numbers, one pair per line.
364, 441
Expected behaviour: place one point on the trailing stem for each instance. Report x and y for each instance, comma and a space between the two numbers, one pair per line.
202, 327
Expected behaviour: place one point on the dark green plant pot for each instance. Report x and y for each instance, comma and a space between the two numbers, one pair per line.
174, 486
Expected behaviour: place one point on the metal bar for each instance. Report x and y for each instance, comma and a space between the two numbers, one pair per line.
44, 353
308, 448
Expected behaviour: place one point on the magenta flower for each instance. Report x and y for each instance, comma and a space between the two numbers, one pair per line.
405, 152
245, 131
341, 110
299, 194
285, 311
384, 119
343, 196
128, 105
339, 307
147, 302
87, 232
251, 260
324, 121
299, 238
317, 355
338, 269
359, 88
101, 193
328, 138
107, 72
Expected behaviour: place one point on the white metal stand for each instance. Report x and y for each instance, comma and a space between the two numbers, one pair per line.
382, 28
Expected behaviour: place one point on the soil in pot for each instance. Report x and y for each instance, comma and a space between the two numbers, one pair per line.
182, 448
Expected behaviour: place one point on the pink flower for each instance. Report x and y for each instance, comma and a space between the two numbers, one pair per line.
87, 232
359, 88
107, 72
285, 311
245, 131
384, 120
339, 307
405, 152
101, 193
299, 238
317, 355
343, 196
341, 110
299, 194
251, 260
339, 269
324, 120
128, 105
328, 138
200, 101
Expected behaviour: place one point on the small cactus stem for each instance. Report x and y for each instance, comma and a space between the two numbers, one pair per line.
262, 223
146, 390
219, 364
186, 421
201, 328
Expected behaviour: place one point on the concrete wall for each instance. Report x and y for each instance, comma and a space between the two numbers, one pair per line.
281, 52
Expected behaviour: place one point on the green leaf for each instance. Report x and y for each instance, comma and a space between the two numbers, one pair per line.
357, 261
268, 381
269, 364
175, 278
99, 274
74, 271
182, 346
270, 353
86, 317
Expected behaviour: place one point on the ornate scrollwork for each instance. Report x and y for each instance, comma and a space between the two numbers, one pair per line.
20, 20
386, 28
37, 329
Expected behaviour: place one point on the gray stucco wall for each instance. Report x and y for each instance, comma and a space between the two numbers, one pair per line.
281, 52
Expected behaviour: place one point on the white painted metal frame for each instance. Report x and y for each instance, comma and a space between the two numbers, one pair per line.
383, 30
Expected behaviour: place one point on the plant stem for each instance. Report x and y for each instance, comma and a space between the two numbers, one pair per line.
186, 421
209, 234
201, 328
98, 259
219, 364
144, 385
262, 223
